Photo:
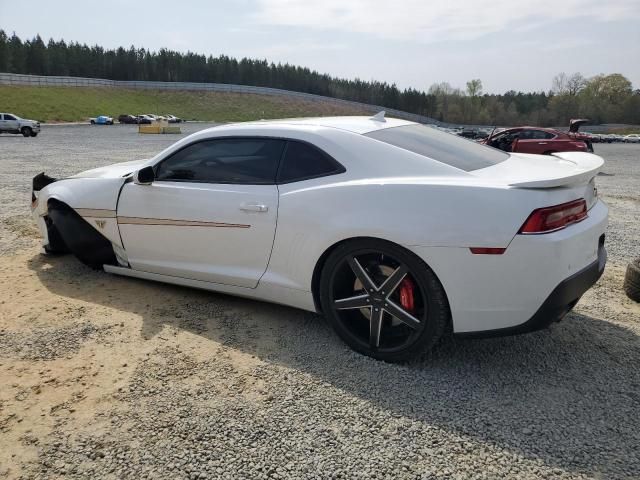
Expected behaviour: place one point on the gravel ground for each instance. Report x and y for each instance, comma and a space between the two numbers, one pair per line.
109, 377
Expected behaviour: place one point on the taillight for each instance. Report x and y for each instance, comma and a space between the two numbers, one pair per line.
551, 219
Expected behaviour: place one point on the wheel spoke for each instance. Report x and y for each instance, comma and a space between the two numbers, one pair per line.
362, 274
401, 314
393, 280
375, 326
357, 301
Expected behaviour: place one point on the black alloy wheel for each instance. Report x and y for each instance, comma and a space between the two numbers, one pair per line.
383, 300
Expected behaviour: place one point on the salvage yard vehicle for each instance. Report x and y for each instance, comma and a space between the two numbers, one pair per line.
101, 120
540, 141
145, 119
632, 138
397, 232
127, 119
10, 123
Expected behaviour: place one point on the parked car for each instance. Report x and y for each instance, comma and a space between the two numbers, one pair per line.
11, 123
591, 137
173, 119
145, 119
101, 120
395, 231
127, 119
541, 141
632, 138
469, 133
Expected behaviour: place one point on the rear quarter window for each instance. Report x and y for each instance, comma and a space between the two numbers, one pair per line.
443, 147
303, 161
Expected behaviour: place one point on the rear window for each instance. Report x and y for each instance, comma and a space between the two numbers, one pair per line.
441, 146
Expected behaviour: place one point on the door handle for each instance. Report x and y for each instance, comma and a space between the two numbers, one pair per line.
542, 143
253, 207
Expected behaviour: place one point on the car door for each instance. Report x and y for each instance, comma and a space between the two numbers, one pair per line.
534, 141
8, 123
210, 214
11, 122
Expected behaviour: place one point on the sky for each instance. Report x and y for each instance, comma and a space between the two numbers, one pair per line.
508, 44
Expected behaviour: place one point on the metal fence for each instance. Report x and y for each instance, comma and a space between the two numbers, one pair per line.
55, 81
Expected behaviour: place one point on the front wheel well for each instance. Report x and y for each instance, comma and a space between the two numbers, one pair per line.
82, 239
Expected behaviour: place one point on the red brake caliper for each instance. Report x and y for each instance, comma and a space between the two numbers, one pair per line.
406, 294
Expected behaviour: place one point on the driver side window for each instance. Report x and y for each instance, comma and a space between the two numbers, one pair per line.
252, 161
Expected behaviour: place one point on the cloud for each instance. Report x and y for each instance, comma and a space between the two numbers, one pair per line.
432, 21
307, 46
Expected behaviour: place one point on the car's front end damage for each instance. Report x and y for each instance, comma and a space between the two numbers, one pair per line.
78, 214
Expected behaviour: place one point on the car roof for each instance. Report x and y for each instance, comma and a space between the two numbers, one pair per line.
527, 127
360, 125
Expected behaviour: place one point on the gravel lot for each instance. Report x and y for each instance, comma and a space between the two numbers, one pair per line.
109, 377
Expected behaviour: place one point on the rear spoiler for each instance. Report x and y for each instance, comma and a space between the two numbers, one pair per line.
585, 167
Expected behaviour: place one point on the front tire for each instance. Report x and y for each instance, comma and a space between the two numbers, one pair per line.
26, 131
382, 300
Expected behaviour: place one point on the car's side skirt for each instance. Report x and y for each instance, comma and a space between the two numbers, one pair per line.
264, 291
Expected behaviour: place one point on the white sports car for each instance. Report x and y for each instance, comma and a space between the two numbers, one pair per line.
397, 232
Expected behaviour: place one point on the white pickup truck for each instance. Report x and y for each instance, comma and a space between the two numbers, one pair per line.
10, 123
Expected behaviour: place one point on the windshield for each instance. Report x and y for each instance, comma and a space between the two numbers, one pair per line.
444, 147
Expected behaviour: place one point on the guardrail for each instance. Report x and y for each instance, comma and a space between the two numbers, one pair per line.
57, 81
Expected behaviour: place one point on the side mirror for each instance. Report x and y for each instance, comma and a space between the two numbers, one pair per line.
144, 176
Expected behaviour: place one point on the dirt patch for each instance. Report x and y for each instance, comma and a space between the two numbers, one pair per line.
22, 225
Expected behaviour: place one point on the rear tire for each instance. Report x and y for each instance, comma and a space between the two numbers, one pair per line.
93, 122
632, 280
350, 300
26, 131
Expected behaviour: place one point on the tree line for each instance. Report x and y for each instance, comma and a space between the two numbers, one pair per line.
603, 99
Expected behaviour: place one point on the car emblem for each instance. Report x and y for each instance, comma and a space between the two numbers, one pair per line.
101, 223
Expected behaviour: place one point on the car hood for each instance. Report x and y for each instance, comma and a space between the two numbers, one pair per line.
112, 171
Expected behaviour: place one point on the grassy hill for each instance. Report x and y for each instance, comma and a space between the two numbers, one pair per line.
68, 104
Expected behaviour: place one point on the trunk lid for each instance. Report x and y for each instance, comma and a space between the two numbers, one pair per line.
544, 171
576, 123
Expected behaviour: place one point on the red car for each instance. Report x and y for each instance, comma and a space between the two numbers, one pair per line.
541, 141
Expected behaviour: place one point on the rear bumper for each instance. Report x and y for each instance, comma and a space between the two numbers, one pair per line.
504, 292
560, 302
